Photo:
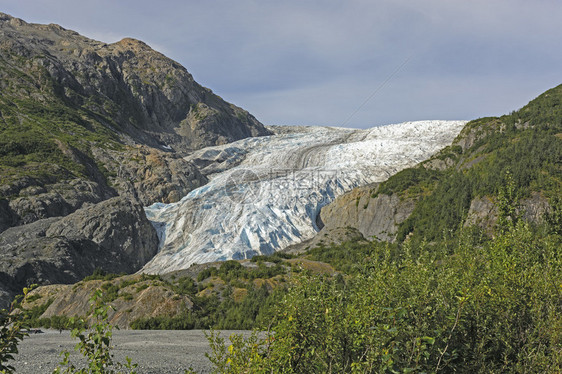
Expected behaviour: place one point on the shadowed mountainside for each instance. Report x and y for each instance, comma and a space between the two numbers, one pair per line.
81, 122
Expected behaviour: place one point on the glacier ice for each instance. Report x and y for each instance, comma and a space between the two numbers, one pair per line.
264, 193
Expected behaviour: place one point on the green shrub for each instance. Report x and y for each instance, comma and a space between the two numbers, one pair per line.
186, 286
468, 308
12, 330
95, 345
206, 273
100, 274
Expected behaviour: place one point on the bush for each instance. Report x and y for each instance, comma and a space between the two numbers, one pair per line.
12, 331
95, 346
468, 307
186, 286
100, 274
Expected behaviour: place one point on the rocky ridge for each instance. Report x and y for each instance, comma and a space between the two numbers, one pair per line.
91, 132
113, 235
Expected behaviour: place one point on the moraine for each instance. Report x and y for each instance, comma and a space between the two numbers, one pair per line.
264, 193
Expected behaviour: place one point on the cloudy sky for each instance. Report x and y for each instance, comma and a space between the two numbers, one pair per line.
353, 63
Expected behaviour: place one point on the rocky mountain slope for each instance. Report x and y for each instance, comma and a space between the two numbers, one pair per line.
516, 157
82, 122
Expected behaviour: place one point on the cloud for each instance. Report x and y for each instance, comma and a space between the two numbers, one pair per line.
315, 62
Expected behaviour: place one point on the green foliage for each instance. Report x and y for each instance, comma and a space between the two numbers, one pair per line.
60, 323
402, 181
12, 331
220, 310
527, 158
507, 204
544, 111
553, 218
100, 274
186, 286
470, 307
34, 313
276, 257
241, 356
110, 291
212, 312
206, 273
346, 256
233, 270
95, 345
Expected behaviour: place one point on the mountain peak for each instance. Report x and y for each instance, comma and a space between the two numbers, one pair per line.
5, 17
12, 20
132, 43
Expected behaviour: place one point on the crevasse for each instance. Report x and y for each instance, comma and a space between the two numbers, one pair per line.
264, 193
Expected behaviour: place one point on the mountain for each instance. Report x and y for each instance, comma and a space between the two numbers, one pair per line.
106, 114
491, 165
516, 157
92, 132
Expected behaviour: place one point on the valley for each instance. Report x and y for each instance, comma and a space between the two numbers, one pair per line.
265, 193
133, 197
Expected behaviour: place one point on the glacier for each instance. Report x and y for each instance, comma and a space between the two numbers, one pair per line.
265, 193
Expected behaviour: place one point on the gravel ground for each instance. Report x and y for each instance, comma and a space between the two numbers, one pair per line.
158, 352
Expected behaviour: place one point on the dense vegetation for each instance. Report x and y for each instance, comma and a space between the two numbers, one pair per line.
524, 146
471, 307
228, 297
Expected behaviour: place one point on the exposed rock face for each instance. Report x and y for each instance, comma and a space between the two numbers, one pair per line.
113, 235
534, 207
8, 217
82, 122
121, 116
375, 218
150, 97
136, 298
482, 213
150, 175
56, 200
114, 224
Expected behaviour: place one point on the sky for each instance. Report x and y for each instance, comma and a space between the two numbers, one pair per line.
352, 63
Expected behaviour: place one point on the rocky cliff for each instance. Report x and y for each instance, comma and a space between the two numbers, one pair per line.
113, 235
118, 116
81, 122
374, 216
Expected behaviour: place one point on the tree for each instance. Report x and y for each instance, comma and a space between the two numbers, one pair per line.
508, 207
12, 331
95, 346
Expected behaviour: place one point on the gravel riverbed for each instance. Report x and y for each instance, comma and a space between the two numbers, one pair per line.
155, 352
